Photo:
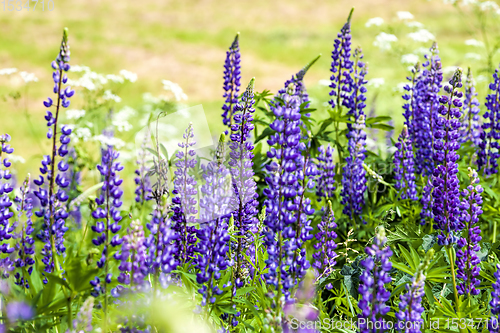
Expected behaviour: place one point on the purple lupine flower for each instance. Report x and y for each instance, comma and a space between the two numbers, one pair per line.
410, 305
83, 320
185, 202
467, 259
494, 322
446, 192
341, 67
470, 129
232, 78
107, 215
426, 100
213, 236
282, 190
142, 181
410, 106
403, 167
25, 245
324, 255
53, 195
326, 170
6, 228
133, 268
245, 199
358, 90
489, 147
74, 175
427, 202
160, 244
300, 88
371, 288
354, 175
19, 311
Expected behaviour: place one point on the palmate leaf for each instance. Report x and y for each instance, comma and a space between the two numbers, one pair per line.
401, 234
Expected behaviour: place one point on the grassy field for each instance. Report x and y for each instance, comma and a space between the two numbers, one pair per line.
185, 42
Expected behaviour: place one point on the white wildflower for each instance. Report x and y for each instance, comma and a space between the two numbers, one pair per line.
473, 56
400, 87
488, 5
421, 50
377, 21
376, 82
115, 78
410, 58
79, 68
16, 159
404, 15
121, 119
448, 70
384, 40
474, 42
109, 96
129, 76
482, 78
175, 89
74, 114
82, 133
414, 24
28, 77
109, 141
7, 71
422, 36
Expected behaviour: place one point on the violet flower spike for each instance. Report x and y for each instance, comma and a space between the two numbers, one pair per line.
470, 129
6, 228
326, 170
232, 81
52, 195
403, 167
143, 191
467, 260
446, 205
324, 255
494, 322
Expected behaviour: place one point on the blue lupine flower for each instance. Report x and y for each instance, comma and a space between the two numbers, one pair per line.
411, 105
324, 255
53, 195
467, 260
494, 322
142, 181
356, 102
326, 173
245, 198
446, 192
25, 244
372, 284
489, 147
232, 79
341, 67
6, 228
470, 129
107, 214
185, 203
403, 167
213, 236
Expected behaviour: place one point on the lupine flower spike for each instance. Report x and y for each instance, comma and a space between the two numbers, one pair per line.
446, 192
410, 307
142, 180
372, 284
324, 255
53, 195
467, 260
403, 167
6, 228
470, 129
494, 322
326, 173
25, 243
232, 81
489, 148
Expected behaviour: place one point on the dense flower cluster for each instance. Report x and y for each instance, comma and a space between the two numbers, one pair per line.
185, 202
446, 193
326, 173
470, 129
6, 228
371, 288
53, 196
324, 256
107, 214
25, 244
467, 259
232, 81
489, 147
494, 322
403, 167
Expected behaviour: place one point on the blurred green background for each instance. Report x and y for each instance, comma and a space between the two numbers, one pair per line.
185, 42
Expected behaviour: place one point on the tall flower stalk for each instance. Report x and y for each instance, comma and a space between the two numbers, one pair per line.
324, 255
372, 289
470, 129
326, 173
53, 198
494, 322
489, 148
6, 228
467, 260
107, 216
184, 204
404, 167
232, 81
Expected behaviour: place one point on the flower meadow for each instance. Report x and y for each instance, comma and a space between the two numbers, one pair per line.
284, 224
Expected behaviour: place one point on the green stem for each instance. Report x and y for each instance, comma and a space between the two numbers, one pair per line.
449, 251
494, 232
